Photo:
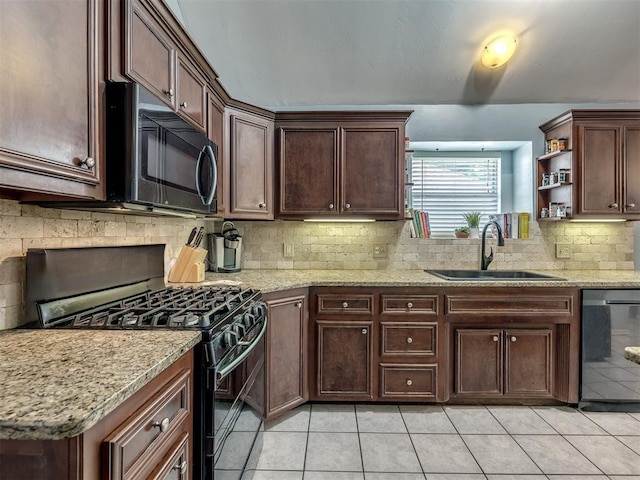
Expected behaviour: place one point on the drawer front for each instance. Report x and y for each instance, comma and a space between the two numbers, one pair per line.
408, 380
409, 338
510, 304
147, 428
176, 464
409, 304
345, 304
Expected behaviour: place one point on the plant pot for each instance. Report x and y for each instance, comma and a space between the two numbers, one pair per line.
462, 234
474, 232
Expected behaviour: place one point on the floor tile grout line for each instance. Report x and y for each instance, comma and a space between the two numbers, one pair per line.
462, 440
424, 474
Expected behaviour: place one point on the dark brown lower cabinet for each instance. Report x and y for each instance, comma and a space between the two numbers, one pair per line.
494, 362
148, 436
344, 360
286, 379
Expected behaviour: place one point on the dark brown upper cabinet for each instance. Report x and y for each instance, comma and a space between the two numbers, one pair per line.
341, 164
603, 161
51, 121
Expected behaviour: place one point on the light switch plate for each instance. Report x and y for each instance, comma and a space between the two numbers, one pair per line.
379, 251
288, 250
563, 250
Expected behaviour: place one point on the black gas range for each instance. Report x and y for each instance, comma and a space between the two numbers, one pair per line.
123, 288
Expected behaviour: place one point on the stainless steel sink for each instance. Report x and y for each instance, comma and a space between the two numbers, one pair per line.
490, 275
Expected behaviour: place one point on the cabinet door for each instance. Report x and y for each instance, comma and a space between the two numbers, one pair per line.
251, 164
286, 354
216, 132
631, 171
308, 171
599, 169
191, 93
50, 104
478, 362
528, 363
371, 173
344, 356
149, 55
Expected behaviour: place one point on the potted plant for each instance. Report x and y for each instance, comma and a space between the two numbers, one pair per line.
462, 232
473, 221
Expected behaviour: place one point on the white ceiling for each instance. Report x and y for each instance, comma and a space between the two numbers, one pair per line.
284, 53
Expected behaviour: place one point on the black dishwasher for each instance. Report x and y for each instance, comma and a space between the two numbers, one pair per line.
610, 322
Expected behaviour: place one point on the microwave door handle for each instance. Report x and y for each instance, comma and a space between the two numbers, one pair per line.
214, 168
208, 151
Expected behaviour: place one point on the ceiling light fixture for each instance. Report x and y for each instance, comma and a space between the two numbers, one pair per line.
498, 51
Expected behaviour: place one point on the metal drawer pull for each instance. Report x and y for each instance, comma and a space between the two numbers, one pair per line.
495, 338
631, 205
163, 425
364, 331
409, 382
409, 305
613, 205
299, 304
513, 339
409, 340
88, 162
345, 305
169, 92
181, 467
183, 104
347, 205
262, 205
331, 206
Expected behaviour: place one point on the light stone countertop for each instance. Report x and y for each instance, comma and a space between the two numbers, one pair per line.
277, 280
632, 354
57, 383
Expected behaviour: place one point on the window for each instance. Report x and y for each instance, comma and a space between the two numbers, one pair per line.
448, 185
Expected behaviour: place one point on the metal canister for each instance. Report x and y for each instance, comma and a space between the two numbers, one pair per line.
562, 144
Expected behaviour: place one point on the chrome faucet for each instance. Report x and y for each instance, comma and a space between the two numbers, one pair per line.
485, 260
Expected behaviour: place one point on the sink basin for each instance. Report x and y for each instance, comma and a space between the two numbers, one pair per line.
490, 275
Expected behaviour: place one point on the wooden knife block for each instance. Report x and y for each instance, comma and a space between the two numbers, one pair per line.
189, 266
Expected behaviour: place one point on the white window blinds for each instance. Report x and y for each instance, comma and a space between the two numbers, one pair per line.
448, 186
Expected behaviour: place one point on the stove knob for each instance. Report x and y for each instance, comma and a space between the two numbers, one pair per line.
249, 320
239, 329
230, 338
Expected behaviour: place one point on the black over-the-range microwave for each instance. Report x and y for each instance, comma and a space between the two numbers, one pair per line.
156, 162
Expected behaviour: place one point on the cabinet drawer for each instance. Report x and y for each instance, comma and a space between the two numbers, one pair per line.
176, 463
409, 338
146, 429
509, 304
409, 304
404, 380
345, 304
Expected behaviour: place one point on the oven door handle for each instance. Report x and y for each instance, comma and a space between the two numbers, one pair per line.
224, 371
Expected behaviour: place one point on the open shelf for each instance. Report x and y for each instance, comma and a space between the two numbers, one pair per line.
547, 156
554, 185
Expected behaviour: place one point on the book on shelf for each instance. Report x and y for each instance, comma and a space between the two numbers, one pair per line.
512, 224
420, 227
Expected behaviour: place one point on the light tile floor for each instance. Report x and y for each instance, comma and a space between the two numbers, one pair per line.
421, 442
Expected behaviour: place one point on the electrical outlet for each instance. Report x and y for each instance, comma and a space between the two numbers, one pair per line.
563, 250
379, 251
288, 250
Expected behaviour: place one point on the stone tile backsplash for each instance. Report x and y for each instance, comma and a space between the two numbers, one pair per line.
316, 245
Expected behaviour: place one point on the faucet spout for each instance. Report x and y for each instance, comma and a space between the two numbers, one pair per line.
485, 260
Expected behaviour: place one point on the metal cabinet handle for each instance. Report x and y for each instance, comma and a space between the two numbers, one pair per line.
347, 205
169, 93
181, 467
409, 382
409, 340
299, 304
495, 338
364, 331
613, 205
631, 205
513, 339
331, 206
409, 305
262, 205
183, 104
162, 425
88, 162
345, 305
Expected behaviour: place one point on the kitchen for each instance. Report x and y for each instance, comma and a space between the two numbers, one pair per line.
333, 246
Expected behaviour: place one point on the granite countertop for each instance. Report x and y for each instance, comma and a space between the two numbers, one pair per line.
276, 280
632, 354
58, 383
